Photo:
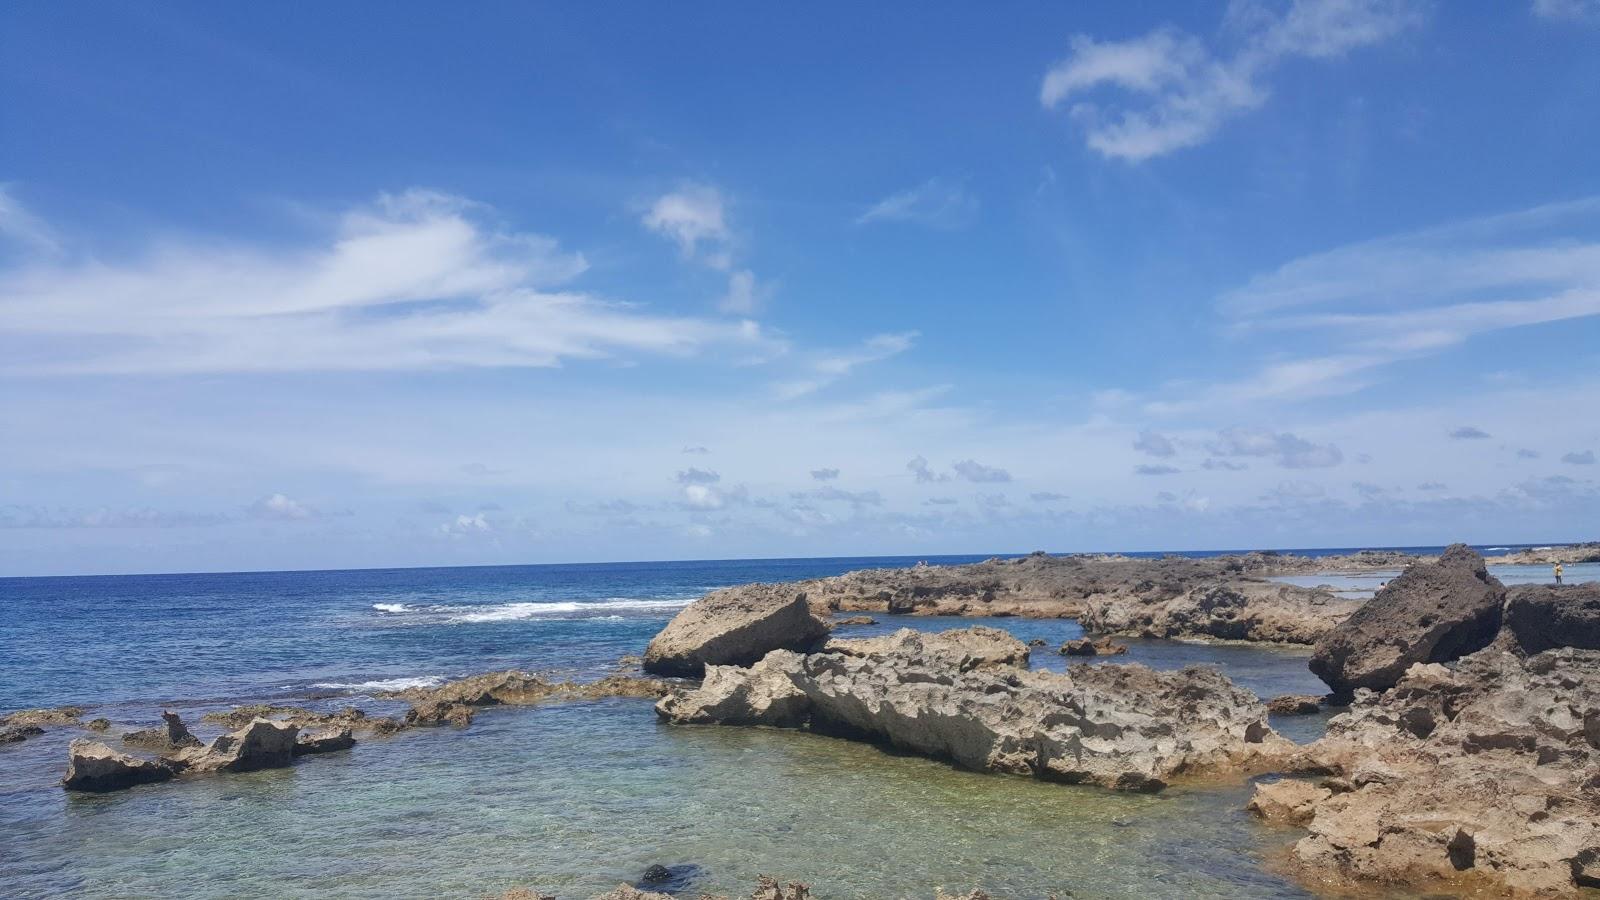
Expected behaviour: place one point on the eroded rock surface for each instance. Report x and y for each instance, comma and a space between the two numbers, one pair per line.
1294, 705
734, 626
1490, 767
94, 767
1121, 726
172, 735
966, 648
1084, 646
1432, 612
1541, 617
262, 744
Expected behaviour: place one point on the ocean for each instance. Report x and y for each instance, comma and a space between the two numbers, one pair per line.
572, 798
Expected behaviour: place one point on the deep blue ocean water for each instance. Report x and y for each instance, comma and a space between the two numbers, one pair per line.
573, 797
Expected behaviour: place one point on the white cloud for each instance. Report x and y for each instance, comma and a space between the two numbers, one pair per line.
281, 507
416, 281
692, 475
1181, 91
825, 474
692, 215
19, 226
936, 203
920, 470
467, 526
1288, 450
825, 369
1568, 10
1155, 444
978, 473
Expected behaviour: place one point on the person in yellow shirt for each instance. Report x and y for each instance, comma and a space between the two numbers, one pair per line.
1558, 573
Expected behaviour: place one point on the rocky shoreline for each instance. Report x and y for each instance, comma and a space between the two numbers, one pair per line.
1467, 757
1470, 750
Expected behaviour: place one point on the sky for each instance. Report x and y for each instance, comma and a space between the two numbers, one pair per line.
356, 285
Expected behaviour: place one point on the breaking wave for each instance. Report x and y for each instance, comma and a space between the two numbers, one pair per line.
456, 614
385, 684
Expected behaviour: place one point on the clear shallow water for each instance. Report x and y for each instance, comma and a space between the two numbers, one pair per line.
1364, 584
573, 798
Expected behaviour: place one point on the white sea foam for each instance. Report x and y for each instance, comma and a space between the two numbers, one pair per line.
512, 612
385, 684
391, 607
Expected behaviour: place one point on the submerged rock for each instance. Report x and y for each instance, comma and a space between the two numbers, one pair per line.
16, 734
1092, 647
734, 626
454, 703
1491, 766
1121, 726
94, 767
854, 620
172, 735
61, 715
1432, 612
439, 712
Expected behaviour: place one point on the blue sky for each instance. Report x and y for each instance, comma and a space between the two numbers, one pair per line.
368, 285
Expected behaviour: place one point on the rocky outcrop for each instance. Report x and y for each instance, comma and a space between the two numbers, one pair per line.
734, 626
347, 718
172, 735
1085, 646
453, 703
16, 734
1490, 767
1121, 726
1540, 617
1294, 705
1287, 801
94, 767
39, 718
854, 620
1568, 554
1433, 612
964, 649
262, 744
329, 741
1237, 609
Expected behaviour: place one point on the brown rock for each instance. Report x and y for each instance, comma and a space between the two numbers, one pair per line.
439, 712
1433, 612
855, 620
1103, 646
263, 744
1287, 802
16, 734
172, 735
92, 766
329, 741
1542, 617
61, 715
1294, 705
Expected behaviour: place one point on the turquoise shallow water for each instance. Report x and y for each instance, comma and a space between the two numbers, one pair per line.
573, 798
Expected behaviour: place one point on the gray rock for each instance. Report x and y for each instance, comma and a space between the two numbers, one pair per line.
1433, 612
1541, 617
262, 744
1092, 647
734, 626
172, 735
1294, 705
329, 741
92, 766
1121, 726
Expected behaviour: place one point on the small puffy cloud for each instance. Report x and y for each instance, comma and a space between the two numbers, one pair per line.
941, 501
936, 203
466, 526
1576, 458
692, 475
1156, 470
282, 508
1432, 486
833, 494
978, 473
691, 215
1224, 465
1469, 433
706, 496
1154, 444
744, 295
824, 474
1525, 453
1046, 497
919, 469
696, 451
1288, 450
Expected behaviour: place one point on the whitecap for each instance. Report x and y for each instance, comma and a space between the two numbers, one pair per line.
391, 607
385, 684
512, 612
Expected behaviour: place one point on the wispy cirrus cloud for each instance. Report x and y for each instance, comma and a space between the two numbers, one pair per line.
936, 203
415, 281
826, 368
1178, 91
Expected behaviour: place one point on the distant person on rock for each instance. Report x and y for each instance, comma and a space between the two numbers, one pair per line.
1558, 573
